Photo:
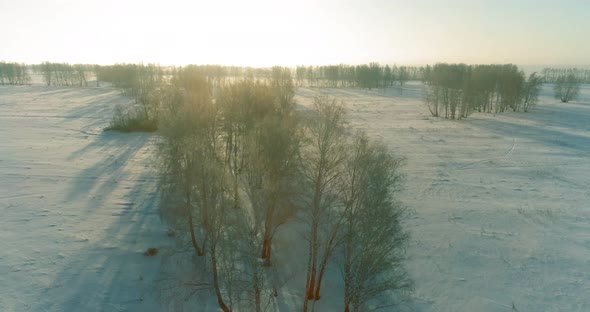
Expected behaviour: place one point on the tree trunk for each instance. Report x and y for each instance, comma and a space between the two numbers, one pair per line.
267, 241
327, 254
235, 150
312, 274
220, 301
191, 226
313, 247
236, 193
320, 276
257, 302
347, 277
258, 305
308, 280
264, 246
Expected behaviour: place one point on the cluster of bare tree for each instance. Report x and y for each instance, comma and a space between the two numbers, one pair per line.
14, 74
136, 80
218, 74
351, 210
143, 83
372, 75
63, 74
457, 90
127, 76
238, 162
567, 87
215, 74
530, 92
552, 75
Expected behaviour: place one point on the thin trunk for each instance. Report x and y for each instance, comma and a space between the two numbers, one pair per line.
268, 251
308, 280
328, 252
312, 265
191, 226
220, 301
312, 274
267, 241
236, 195
347, 273
235, 150
264, 246
257, 296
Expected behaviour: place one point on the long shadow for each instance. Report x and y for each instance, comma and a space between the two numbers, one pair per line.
98, 103
111, 273
101, 102
559, 126
104, 177
572, 116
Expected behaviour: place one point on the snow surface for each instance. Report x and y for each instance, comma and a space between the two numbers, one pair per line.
77, 205
501, 219
501, 202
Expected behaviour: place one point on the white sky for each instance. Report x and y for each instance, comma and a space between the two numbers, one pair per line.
266, 32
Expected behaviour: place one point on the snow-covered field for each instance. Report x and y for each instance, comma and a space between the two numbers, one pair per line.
77, 205
502, 203
501, 207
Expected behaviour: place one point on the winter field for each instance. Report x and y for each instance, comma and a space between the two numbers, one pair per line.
500, 222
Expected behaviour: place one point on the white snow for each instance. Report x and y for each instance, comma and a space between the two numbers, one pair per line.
502, 203
501, 207
77, 205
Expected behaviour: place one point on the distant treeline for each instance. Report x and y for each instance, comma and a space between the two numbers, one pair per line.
456, 90
552, 75
133, 79
124, 75
372, 75
63, 74
14, 74
138, 80
453, 91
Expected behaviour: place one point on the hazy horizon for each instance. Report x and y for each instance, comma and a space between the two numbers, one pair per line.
264, 33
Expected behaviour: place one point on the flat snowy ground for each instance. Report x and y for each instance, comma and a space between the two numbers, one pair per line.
502, 203
501, 207
77, 205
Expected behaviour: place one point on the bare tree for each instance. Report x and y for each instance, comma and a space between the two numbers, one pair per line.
46, 71
300, 73
282, 86
322, 160
402, 76
387, 77
373, 238
247, 281
189, 132
14, 74
272, 149
531, 91
96, 70
432, 97
214, 197
567, 88
456, 90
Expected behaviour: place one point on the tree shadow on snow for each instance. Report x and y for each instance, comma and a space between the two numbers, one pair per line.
559, 126
96, 182
111, 273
